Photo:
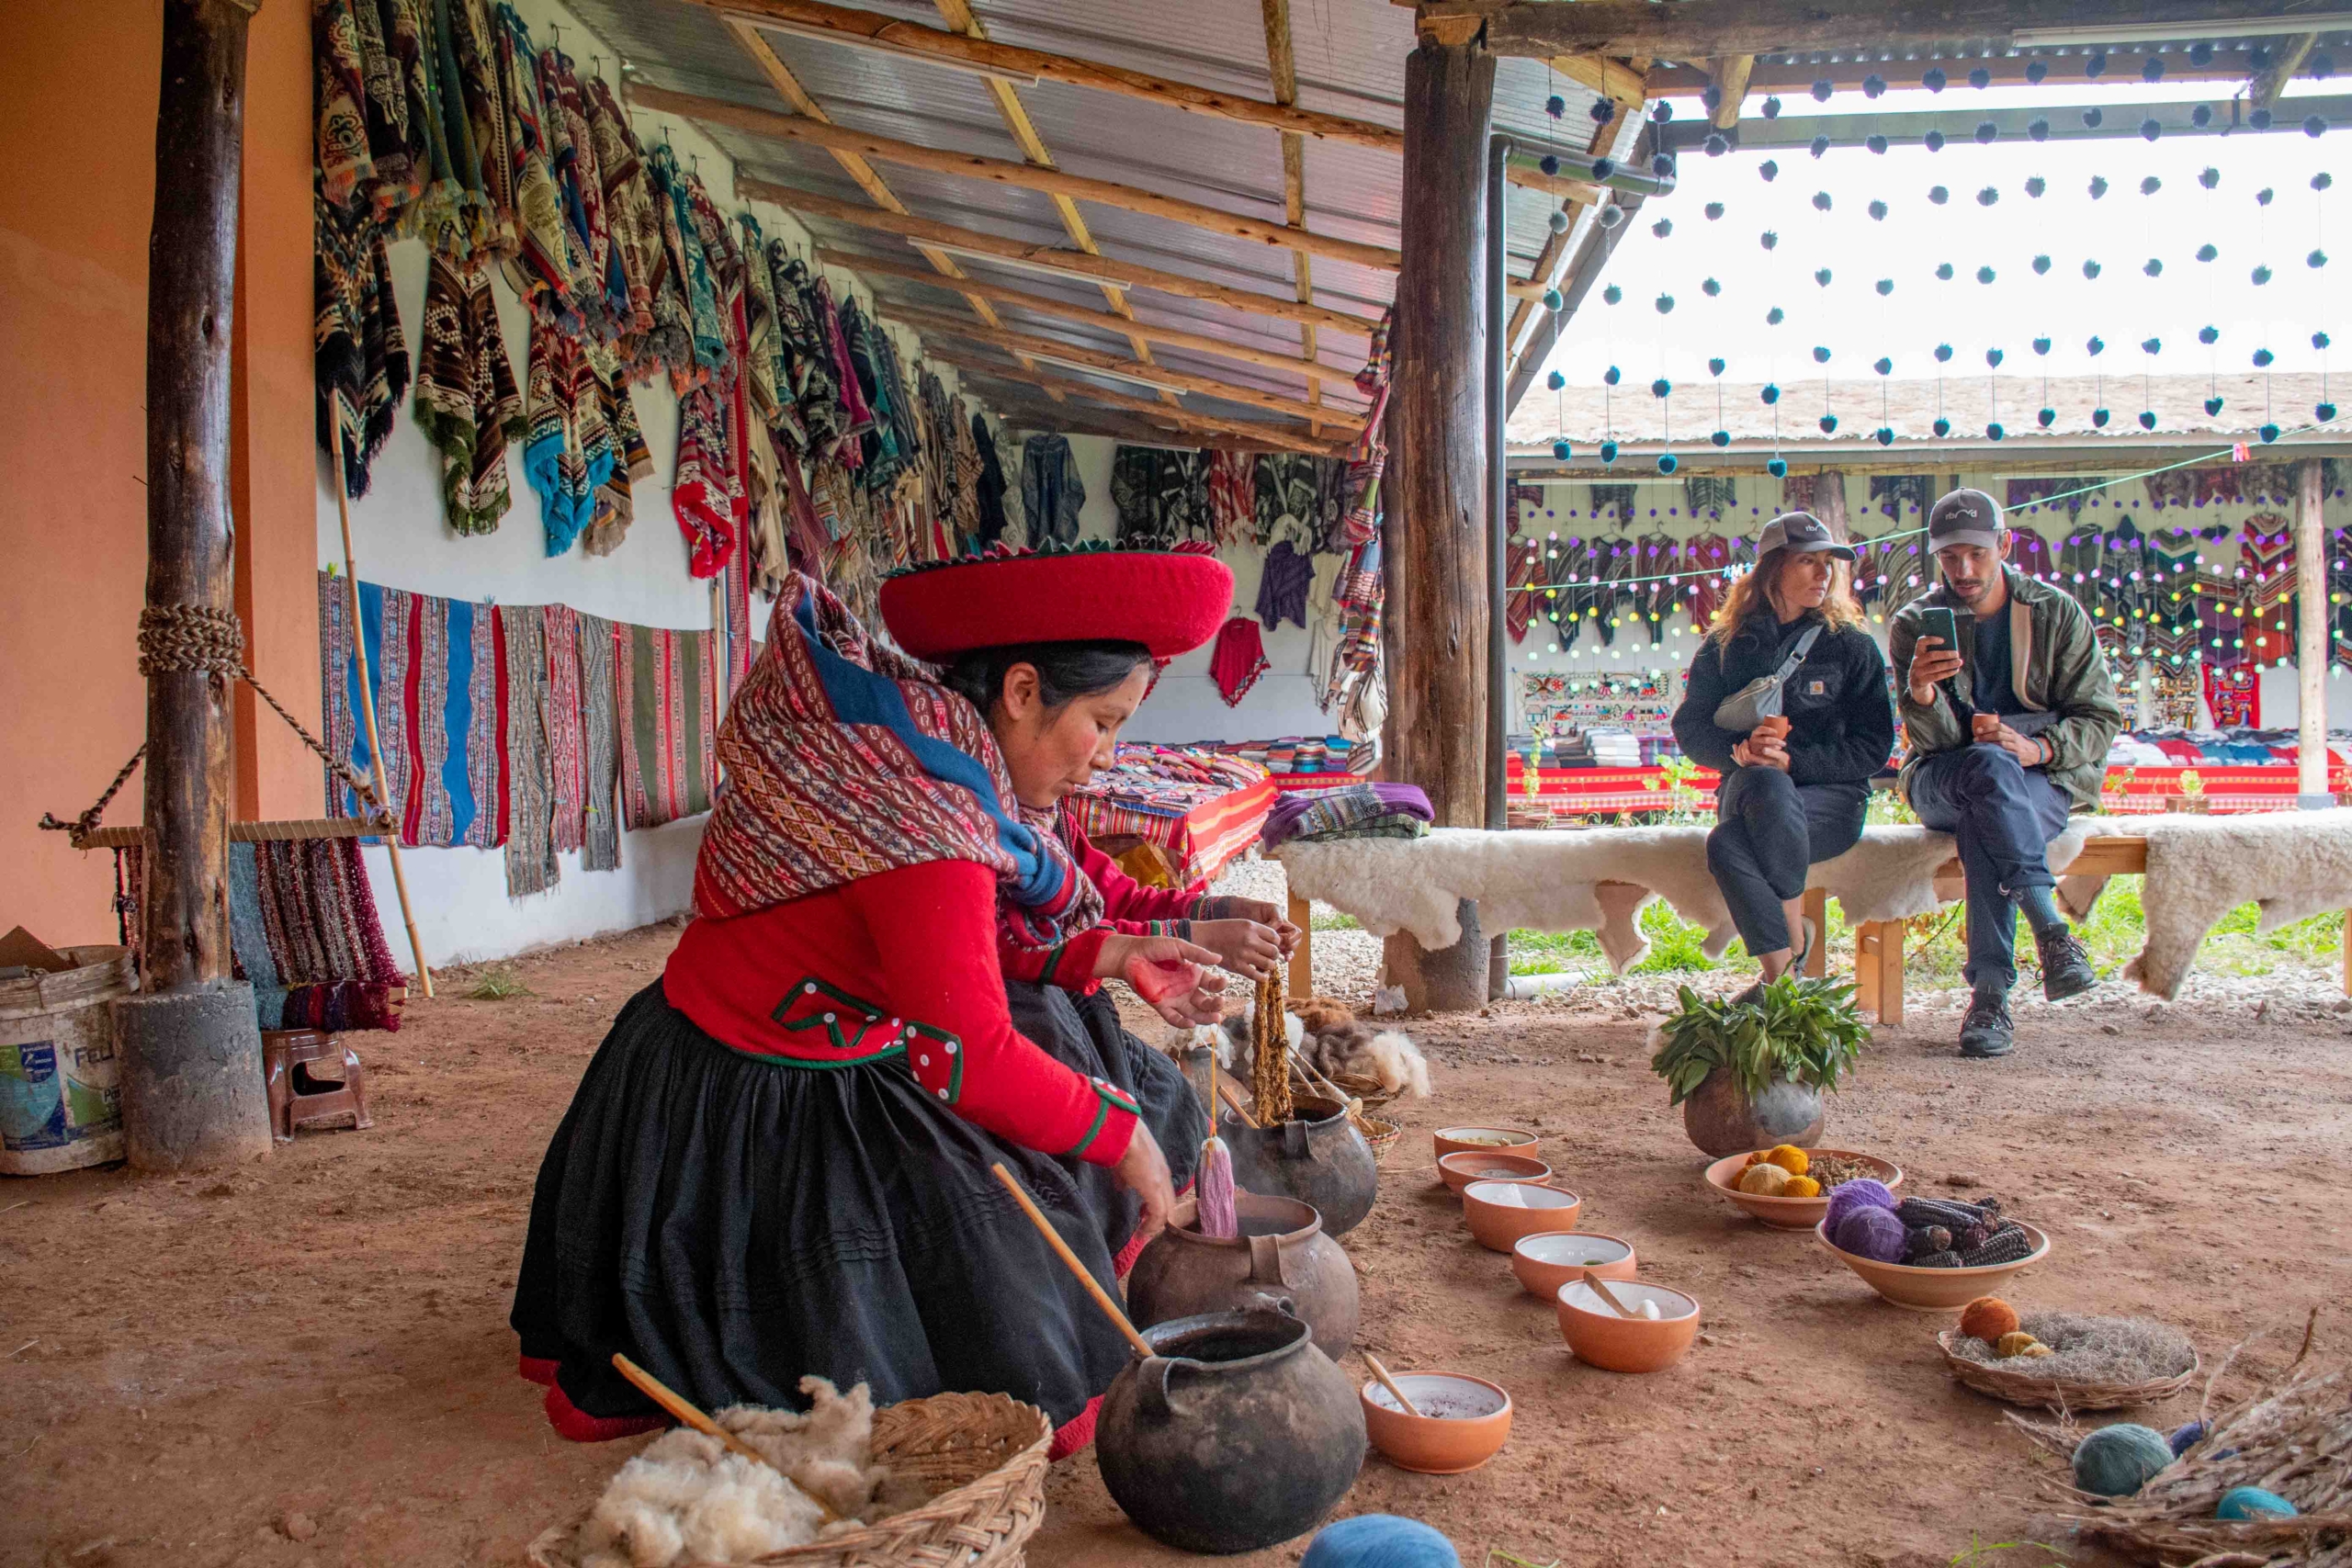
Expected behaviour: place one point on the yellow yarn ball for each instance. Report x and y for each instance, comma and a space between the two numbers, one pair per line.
2017, 1342
1765, 1181
1801, 1187
1790, 1158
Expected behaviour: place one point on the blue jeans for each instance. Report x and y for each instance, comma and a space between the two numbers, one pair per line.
1769, 828
2004, 814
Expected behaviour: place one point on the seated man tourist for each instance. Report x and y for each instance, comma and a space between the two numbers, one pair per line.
1794, 784
2008, 729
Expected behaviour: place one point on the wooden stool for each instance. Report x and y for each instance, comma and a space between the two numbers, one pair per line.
297, 1096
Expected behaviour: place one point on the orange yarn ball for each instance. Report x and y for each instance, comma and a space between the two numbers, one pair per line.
1988, 1318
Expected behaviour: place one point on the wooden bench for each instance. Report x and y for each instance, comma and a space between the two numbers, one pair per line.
1878, 944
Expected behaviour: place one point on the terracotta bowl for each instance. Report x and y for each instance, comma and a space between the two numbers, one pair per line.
1792, 1213
1622, 1343
1464, 1422
1458, 1170
1937, 1290
1549, 1259
1499, 1213
1456, 1140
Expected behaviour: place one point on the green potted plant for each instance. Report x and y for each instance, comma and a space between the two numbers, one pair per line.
1750, 1074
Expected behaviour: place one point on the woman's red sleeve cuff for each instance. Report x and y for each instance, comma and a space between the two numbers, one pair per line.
1113, 1127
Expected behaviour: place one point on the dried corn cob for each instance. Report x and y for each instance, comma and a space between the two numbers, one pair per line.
1937, 1260
1954, 1217
2008, 1247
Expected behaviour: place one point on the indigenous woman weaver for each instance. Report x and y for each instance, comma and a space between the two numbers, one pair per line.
778, 1162
1795, 790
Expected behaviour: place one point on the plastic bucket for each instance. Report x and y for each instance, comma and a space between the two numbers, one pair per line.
59, 1109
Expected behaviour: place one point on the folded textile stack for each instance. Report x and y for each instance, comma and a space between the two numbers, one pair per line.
1358, 811
1658, 748
1574, 750
1615, 748
1281, 756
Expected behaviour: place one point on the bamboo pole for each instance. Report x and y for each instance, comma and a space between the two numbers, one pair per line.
367, 703
1119, 1319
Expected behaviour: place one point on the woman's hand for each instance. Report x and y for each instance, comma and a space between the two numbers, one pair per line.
1250, 949
1143, 1170
1167, 973
1765, 754
1264, 914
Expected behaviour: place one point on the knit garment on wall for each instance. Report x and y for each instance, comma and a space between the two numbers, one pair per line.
1239, 660
1162, 495
1281, 589
361, 354
1051, 491
568, 450
632, 459
467, 404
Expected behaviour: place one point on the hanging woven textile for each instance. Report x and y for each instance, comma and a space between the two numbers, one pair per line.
600, 746
530, 817
2266, 555
1524, 565
1232, 481
540, 271
567, 448
360, 352
467, 404
632, 459
303, 929
1709, 497
1657, 592
559, 715
662, 700
2235, 696
1239, 660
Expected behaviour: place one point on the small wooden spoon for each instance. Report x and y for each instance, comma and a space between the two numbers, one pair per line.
1600, 1288
1390, 1385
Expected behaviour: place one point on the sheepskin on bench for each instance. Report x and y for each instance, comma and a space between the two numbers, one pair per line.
2294, 864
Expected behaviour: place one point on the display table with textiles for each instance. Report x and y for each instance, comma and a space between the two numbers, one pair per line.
2294, 863
1197, 808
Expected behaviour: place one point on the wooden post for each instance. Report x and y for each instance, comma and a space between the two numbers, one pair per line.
1437, 617
190, 1046
1302, 957
2311, 637
1829, 502
1817, 910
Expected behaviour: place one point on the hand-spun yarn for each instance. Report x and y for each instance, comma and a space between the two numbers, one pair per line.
1864, 1193
1988, 1318
1380, 1541
2116, 1461
2252, 1503
2185, 1437
1871, 1233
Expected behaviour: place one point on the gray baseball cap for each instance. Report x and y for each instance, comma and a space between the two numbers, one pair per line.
1964, 517
1801, 532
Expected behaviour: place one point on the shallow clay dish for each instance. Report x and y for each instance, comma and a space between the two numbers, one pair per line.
1627, 1344
1499, 1213
1463, 1422
1459, 1170
1935, 1289
1456, 1140
1549, 1259
1792, 1213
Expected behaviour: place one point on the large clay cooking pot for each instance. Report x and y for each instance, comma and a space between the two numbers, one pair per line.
1721, 1120
1282, 1260
1235, 1435
1316, 1157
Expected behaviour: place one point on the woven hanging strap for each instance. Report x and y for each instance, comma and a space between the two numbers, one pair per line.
176, 638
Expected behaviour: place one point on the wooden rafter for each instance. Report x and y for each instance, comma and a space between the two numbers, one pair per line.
1017, 401
999, 171
1619, 81
1548, 259
2264, 90
2006, 69
1158, 414
1731, 86
1282, 68
1167, 337
1078, 354
917, 229
957, 15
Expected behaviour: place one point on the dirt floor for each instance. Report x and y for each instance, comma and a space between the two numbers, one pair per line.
307, 1361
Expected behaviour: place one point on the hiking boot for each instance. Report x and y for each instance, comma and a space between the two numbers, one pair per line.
1986, 1031
2066, 964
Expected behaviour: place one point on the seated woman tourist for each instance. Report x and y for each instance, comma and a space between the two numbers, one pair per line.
778, 1162
1794, 788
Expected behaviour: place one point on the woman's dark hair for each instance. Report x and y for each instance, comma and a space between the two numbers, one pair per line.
1066, 670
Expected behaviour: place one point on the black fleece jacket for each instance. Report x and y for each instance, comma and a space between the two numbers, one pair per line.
1841, 717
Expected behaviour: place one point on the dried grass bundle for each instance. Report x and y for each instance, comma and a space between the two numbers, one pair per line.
2093, 1349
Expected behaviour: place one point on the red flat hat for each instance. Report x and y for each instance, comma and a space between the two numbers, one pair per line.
1169, 601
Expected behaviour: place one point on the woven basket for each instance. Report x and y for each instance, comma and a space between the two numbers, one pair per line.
2057, 1394
985, 1453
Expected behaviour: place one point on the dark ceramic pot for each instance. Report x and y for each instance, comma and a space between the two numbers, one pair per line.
1720, 1119
1316, 1157
1235, 1435
1282, 1260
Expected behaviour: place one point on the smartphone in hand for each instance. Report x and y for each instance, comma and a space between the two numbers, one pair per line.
1936, 621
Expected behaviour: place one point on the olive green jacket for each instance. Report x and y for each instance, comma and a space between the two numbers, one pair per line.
2055, 665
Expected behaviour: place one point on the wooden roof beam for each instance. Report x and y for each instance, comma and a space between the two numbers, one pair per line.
1158, 414
1282, 70
1715, 30
1169, 337
2263, 89
922, 229
999, 171
1731, 88
1622, 82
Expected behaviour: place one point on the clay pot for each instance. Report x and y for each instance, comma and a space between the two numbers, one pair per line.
1317, 1157
1463, 1422
1617, 1344
1459, 1170
1547, 1260
1485, 1141
1720, 1119
1282, 1260
1237, 1434
1499, 1213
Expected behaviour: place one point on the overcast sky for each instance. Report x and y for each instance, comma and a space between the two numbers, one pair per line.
2121, 230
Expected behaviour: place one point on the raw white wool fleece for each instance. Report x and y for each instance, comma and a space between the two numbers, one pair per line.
686, 1497
2294, 864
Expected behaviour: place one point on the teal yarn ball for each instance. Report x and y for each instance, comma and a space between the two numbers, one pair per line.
2268, 432
1667, 462
1380, 1541
1721, 438
2116, 1461
1562, 451
1778, 468
2252, 1503
1609, 451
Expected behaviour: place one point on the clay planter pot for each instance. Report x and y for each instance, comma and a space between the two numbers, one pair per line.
1937, 1290
1791, 1214
1317, 1157
1459, 1170
1235, 1435
1463, 1422
1616, 1344
1281, 1260
1499, 1213
1459, 1140
1720, 1119
1549, 1259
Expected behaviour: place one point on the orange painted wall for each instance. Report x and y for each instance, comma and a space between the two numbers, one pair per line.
77, 91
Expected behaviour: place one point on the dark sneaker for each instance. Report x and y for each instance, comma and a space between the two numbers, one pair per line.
1986, 1031
2066, 964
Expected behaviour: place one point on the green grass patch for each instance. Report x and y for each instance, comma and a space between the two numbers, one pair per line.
498, 984
1326, 920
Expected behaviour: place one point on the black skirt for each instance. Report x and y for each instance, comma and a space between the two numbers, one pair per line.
733, 1224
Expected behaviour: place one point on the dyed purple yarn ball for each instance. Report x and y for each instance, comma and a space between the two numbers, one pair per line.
1862, 1194
1871, 1233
